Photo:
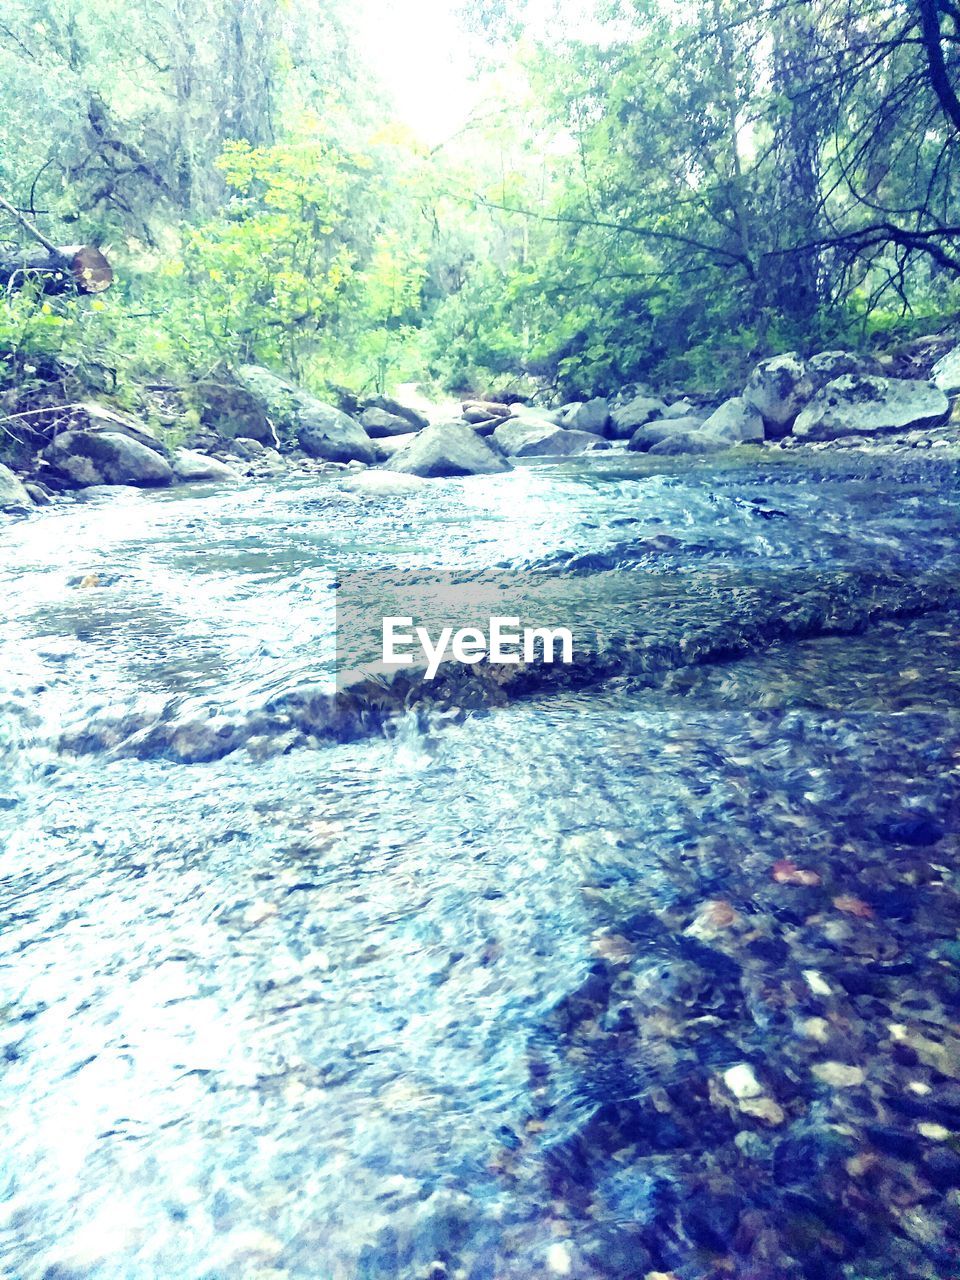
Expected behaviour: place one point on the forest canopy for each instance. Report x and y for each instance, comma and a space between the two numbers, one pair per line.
652, 190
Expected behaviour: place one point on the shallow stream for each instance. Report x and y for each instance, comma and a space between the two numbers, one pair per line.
464, 999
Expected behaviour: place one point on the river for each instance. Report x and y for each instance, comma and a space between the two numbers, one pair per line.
653, 972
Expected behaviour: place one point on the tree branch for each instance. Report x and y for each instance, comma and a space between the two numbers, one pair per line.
939, 76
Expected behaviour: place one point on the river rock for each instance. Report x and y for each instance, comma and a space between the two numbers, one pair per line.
191, 467
55, 420
380, 422
636, 413
778, 389
397, 409
742, 1082
106, 457
862, 405
206, 440
94, 492
40, 496
452, 449
540, 414
734, 422
827, 365
682, 409
233, 410
247, 447
592, 416
841, 1075
529, 439
321, 430
482, 410
91, 416
270, 462
652, 433
325, 432
484, 427
488, 426
13, 496
688, 442
946, 373
387, 446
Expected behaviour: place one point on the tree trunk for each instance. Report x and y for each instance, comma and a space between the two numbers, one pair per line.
82, 268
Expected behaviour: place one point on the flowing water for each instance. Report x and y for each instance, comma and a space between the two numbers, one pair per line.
462, 998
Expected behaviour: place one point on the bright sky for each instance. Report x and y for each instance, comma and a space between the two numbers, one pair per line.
424, 57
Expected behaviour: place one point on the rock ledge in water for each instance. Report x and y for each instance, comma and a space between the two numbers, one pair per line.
778, 389
106, 457
321, 430
855, 405
448, 450
192, 467
530, 438
13, 496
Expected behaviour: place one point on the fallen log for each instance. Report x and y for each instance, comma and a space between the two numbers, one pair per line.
80, 267
77, 266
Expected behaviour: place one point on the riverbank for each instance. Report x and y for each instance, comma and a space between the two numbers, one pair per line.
254, 424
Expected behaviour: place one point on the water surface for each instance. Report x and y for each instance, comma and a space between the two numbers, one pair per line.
460, 1000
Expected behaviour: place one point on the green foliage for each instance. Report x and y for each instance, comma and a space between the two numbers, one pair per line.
40, 336
263, 280
650, 193
295, 273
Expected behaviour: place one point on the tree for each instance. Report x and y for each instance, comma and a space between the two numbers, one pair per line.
756, 174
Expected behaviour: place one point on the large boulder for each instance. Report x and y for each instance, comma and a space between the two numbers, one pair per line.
13, 496
387, 446
321, 430
484, 426
416, 419
515, 435
682, 409
233, 410
452, 449
857, 405
827, 365
519, 410
946, 373
91, 416
652, 433
778, 389
88, 415
191, 467
679, 442
592, 416
106, 457
248, 448
325, 432
528, 438
636, 413
735, 421
379, 423
481, 427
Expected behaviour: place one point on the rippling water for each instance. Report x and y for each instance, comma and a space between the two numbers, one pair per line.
459, 1001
